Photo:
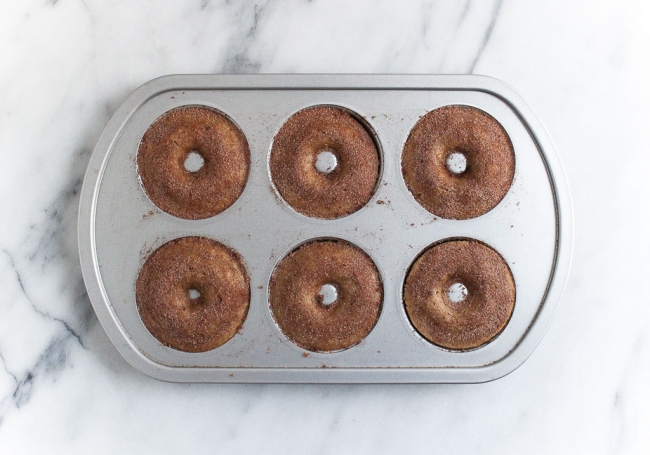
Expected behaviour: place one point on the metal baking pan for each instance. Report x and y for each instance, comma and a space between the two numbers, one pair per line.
531, 228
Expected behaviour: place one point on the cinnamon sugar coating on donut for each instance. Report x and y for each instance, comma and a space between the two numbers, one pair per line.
168, 309
298, 308
484, 312
293, 163
216, 185
481, 140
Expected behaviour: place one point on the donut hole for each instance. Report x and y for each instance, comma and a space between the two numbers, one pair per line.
457, 292
194, 161
195, 299
456, 162
326, 162
194, 294
328, 294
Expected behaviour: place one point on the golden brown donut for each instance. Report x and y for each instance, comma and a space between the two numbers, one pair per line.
298, 308
177, 270
484, 312
167, 144
489, 156
295, 150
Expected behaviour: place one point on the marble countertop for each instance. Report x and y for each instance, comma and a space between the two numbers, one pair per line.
67, 65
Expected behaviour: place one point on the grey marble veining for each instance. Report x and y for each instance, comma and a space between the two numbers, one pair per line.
68, 64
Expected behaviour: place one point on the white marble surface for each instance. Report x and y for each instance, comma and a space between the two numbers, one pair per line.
67, 65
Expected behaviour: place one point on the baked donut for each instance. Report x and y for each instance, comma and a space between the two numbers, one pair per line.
472, 321
193, 294
167, 144
298, 305
328, 193
458, 132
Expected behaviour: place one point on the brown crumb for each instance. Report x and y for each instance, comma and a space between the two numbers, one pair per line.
305, 354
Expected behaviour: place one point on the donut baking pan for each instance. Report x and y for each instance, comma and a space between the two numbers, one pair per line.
531, 228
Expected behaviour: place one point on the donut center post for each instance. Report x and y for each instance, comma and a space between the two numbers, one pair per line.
328, 294
457, 292
194, 294
326, 162
456, 162
194, 161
